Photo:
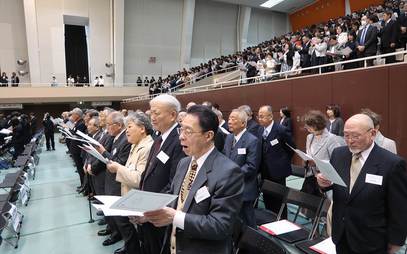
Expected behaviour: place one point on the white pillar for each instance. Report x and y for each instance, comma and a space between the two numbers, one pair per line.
118, 41
243, 26
188, 14
30, 14
347, 8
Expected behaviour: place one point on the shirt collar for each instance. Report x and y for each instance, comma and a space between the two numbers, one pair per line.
270, 127
203, 158
115, 138
366, 152
221, 123
238, 136
165, 135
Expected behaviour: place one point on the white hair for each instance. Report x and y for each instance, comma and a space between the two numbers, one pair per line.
241, 114
169, 100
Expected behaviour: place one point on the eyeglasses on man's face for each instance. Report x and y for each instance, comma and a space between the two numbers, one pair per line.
187, 131
355, 136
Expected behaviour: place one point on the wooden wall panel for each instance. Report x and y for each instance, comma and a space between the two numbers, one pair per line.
356, 5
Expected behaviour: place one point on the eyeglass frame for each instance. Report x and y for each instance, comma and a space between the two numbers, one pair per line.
356, 137
189, 132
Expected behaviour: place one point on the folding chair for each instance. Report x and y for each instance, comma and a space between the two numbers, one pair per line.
264, 216
302, 200
254, 241
10, 220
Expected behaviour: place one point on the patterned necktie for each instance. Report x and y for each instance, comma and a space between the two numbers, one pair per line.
355, 168
188, 180
265, 134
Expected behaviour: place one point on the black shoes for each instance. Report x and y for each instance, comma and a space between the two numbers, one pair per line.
111, 241
102, 222
121, 250
104, 232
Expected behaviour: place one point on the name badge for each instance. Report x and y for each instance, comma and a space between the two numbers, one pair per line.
241, 151
202, 194
163, 157
374, 179
274, 142
114, 151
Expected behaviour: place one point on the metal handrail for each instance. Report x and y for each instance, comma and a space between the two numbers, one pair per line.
286, 74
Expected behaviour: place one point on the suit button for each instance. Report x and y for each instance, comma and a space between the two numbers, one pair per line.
343, 218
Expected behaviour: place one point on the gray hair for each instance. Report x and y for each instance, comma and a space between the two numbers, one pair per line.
241, 114
169, 100
92, 112
140, 119
77, 111
108, 110
218, 113
268, 108
247, 110
96, 121
117, 117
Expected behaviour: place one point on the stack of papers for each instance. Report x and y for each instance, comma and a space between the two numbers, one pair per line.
279, 227
326, 168
134, 203
88, 139
324, 247
5, 131
92, 151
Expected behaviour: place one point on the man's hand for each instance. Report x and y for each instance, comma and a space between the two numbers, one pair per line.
162, 217
322, 181
391, 249
392, 45
89, 169
137, 220
361, 48
101, 149
403, 29
112, 166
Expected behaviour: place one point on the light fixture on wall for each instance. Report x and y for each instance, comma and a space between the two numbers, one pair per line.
21, 62
108, 65
22, 72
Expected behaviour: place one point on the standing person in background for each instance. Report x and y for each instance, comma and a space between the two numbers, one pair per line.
33, 123
335, 122
101, 81
96, 82
285, 120
49, 131
15, 80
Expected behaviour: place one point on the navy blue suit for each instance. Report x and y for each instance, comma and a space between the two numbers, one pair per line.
246, 154
276, 159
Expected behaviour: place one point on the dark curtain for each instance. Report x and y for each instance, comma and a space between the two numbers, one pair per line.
76, 52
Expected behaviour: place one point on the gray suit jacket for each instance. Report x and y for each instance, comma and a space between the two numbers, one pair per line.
248, 161
323, 147
386, 143
208, 225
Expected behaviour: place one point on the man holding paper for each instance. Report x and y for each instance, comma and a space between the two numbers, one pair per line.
209, 188
370, 214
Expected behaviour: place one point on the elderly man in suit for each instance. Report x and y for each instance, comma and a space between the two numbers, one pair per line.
244, 149
252, 126
119, 153
74, 149
370, 214
276, 155
209, 188
162, 162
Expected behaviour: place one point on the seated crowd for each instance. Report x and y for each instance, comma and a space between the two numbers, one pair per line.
375, 30
215, 166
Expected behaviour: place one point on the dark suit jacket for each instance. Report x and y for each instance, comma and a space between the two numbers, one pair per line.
248, 161
119, 153
336, 127
97, 166
220, 137
74, 144
370, 40
372, 215
276, 159
253, 127
158, 177
388, 34
225, 126
305, 56
208, 225
288, 124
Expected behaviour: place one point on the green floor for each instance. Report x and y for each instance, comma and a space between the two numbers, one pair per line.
56, 218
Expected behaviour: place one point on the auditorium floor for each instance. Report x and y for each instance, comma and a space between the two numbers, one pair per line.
56, 218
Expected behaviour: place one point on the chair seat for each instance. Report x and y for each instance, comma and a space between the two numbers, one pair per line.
264, 216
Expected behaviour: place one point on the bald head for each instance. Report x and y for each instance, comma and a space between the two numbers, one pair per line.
359, 133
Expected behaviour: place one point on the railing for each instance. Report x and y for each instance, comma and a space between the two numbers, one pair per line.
279, 75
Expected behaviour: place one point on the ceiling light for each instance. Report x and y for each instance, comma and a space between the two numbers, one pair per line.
271, 3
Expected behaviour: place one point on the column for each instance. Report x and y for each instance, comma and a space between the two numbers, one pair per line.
188, 14
30, 14
347, 8
243, 26
118, 41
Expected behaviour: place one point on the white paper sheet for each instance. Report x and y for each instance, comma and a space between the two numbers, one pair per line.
279, 227
5, 131
303, 156
107, 200
329, 172
89, 139
324, 247
92, 151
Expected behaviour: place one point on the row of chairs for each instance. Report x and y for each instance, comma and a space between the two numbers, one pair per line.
253, 240
17, 191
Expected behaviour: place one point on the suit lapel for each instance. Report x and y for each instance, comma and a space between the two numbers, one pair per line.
178, 181
370, 167
200, 179
240, 144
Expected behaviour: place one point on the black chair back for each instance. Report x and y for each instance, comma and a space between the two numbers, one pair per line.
255, 242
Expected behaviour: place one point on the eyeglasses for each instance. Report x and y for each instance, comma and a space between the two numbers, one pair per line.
355, 136
110, 124
187, 132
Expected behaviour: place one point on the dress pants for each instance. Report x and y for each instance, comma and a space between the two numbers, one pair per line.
151, 238
389, 59
272, 203
79, 166
128, 234
247, 214
49, 138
